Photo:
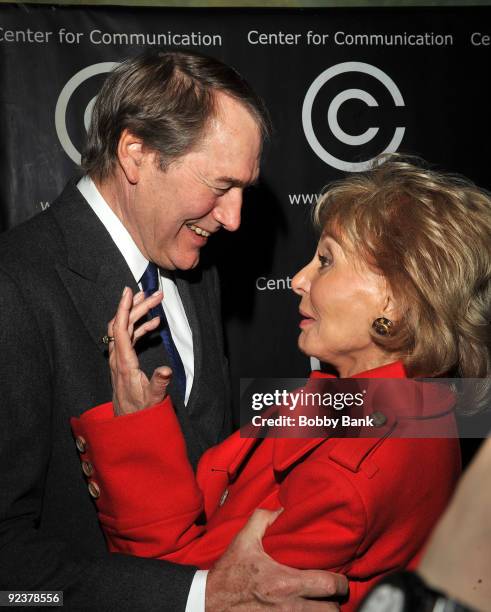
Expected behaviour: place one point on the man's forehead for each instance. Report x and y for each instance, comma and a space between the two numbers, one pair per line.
232, 114
225, 103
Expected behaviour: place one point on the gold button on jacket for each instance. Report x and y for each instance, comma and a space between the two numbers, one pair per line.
81, 444
94, 490
87, 468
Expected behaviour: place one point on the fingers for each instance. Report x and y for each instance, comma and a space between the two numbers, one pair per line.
132, 391
145, 328
308, 605
122, 337
131, 310
158, 384
294, 583
322, 606
144, 305
264, 583
138, 298
110, 333
307, 583
253, 531
319, 583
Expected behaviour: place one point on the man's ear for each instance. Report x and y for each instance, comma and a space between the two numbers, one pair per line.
130, 155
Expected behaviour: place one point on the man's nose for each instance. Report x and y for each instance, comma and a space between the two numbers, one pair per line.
228, 209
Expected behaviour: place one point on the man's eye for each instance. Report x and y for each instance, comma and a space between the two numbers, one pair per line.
220, 190
324, 261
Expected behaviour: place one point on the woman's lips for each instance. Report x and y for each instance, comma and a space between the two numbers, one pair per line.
306, 319
306, 322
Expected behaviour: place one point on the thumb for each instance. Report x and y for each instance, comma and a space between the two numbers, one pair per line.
158, 384
255, 528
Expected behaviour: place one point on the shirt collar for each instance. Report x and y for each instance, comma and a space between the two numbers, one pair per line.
137, 263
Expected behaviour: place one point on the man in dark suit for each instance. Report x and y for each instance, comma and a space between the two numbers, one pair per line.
174, 139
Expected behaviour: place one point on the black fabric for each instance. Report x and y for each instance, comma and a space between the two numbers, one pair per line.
61, 277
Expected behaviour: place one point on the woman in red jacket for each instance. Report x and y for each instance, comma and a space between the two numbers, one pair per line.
399, 287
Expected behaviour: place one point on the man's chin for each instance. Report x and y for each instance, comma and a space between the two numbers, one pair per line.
179, 261
186, 263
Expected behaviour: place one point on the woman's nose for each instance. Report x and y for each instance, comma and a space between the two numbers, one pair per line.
301, 280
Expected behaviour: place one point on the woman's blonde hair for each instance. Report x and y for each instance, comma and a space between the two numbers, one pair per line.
429, 234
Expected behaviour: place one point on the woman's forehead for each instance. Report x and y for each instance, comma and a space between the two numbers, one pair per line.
332, 235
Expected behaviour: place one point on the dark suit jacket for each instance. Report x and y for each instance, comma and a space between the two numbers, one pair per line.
61, 277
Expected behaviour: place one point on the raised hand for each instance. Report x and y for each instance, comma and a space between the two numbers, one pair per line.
132, 391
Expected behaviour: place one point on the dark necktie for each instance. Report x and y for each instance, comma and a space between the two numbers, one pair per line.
150, 284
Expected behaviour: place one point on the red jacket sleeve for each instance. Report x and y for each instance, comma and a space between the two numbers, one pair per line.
149, 499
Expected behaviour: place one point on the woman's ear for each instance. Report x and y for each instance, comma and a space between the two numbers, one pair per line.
391, 309
130, 154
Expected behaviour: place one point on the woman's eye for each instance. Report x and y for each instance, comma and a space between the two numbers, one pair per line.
324, 261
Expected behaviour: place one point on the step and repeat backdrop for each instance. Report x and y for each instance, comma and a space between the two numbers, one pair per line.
342, 86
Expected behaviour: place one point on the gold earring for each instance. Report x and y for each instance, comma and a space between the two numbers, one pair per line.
382, 326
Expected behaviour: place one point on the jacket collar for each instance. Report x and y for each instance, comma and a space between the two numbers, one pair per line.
287, 451
94, 272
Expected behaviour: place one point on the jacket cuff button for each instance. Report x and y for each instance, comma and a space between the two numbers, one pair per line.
94, 490
87, 468
81, 444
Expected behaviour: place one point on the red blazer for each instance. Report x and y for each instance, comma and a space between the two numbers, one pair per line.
362, 507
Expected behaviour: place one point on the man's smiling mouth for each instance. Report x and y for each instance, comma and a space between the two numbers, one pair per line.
198, 230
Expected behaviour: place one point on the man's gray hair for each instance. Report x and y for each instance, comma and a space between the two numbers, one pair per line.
166, 98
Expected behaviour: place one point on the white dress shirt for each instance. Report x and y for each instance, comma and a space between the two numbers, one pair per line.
176, 318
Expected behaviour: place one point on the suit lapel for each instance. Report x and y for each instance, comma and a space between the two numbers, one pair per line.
91, 301
95, 272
